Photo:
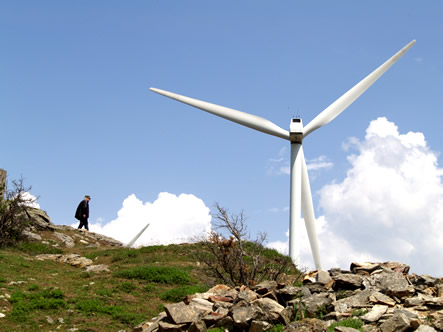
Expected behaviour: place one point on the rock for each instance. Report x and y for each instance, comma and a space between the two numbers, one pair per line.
72, 259
213, 317
379, 298
272, 309
375, 313
218, 298
364, 268
347, 281
414, 301
247, 294
323, 277
180, 313
97, 268
39, 220
396, 267
290, 292
201, 306
306, 325
394, 302
198, 326
259, 326
266, 287
397, 323
164, 326
66, 239
32, 236
243, 315
316, 304
394, 284
425, 328
223, 290
358, 300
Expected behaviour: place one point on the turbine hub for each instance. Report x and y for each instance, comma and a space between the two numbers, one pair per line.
296, 131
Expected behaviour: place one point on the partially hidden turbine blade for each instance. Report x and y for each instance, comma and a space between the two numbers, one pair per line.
131, 243
333, 110
245, 119
308, 211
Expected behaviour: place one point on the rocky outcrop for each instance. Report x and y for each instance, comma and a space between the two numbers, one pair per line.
40, 228
381, 296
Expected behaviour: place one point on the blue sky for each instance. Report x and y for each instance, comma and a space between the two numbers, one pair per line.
78, 118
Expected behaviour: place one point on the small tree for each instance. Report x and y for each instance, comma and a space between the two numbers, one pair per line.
13, 213
233, 258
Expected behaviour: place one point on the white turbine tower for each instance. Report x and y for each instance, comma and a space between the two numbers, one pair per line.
300, 190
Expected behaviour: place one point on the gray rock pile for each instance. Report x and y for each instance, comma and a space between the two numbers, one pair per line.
382, 296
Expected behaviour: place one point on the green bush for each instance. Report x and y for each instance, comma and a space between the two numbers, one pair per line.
158, 274
177, 294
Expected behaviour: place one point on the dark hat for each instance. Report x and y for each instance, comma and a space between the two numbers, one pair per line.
87, 196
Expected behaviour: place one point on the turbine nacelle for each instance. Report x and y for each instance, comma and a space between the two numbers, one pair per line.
296, 130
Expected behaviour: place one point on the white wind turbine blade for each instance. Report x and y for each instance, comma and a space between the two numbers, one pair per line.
333, 110
308, 211
131, 243
245, 119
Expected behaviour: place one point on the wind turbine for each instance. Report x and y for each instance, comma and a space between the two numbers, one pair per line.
300, 190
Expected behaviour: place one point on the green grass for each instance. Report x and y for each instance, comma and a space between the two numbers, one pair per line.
26, 302
93, 307
141, 282
157, 274
177, 294
350, 322
37, 248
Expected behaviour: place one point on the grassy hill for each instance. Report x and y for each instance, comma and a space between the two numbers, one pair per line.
43, 295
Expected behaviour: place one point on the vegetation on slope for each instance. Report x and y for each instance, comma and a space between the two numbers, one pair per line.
44, 295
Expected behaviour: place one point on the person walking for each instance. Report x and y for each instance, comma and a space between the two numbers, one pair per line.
82, 212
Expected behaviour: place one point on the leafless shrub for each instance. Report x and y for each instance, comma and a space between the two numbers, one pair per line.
13, 212
233, 259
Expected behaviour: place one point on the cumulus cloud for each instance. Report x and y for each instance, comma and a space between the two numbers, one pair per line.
388, 207
30, 200
171, 218
391, 201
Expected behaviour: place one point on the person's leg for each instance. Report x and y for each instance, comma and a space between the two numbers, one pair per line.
83, 222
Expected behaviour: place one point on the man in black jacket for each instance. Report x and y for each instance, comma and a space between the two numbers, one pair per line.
82, 212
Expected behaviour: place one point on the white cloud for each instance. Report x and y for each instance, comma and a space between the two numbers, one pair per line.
388, 207
318, 163
391, 202
31, 200
172, 219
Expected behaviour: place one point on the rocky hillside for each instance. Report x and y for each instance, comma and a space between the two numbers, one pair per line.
42, 229
368, 297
